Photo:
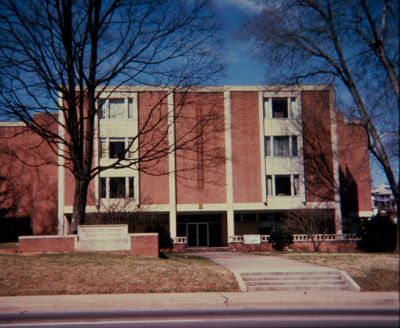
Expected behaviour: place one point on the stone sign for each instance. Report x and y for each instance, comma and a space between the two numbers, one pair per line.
103, 238
252, 239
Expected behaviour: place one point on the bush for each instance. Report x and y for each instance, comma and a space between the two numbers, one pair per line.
378, 234
280, 239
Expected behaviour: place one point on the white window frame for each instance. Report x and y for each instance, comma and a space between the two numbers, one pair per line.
127, 186
129, 109
105, 154
272, 147
292, 106
271, 186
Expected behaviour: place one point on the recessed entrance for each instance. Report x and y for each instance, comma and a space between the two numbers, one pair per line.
202, 230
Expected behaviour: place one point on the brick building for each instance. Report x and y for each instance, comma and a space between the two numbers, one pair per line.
247, 156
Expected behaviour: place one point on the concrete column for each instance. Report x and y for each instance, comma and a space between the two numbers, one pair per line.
171, 166
228, 160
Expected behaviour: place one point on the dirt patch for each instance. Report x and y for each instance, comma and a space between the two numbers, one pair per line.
53, 274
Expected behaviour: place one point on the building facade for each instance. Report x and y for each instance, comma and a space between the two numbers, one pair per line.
213, 163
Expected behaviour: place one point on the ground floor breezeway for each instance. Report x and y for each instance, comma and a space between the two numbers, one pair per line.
208, 229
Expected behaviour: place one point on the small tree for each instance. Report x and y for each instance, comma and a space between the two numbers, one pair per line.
378, 234
310, 222
280, 239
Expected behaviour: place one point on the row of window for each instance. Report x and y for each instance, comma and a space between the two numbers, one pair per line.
117, 187
116, 148
122, 108
281, 146
116, 108
283, 185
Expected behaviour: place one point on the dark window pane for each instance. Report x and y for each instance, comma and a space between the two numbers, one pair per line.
281, 146
282, 185
117, 149
279, 108
103, 187
131, 187
294, 146
117, 188
267, 146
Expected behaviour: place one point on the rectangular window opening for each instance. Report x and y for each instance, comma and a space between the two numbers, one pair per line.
282, 185
103, 187
131, 192
117, 187
117, 108
295, 151
281, 146
267, 146
279, 107
117, 149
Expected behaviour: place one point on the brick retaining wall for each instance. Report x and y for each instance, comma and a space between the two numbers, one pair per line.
145, 244
46, 244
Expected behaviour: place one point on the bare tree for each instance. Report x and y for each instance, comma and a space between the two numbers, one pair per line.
68, 54
310, 222
351, 43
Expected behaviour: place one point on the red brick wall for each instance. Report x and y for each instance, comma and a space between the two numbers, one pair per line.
200, 114
46, 244
31, 183
145, 244
354, 166
153, 118
317, 146
246, 147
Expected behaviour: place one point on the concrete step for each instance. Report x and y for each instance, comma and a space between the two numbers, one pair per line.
294, 280
297, 287
288, 273
292, 277
207, 249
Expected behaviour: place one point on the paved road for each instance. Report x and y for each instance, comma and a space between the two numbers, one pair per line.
324, 317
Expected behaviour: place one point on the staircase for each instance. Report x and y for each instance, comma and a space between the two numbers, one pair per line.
297, 280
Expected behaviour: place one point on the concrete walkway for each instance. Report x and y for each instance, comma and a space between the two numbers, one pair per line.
241, 263
247, 262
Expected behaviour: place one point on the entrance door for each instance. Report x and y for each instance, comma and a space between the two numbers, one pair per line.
197, 234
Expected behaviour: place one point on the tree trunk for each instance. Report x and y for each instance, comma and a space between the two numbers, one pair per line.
80, 197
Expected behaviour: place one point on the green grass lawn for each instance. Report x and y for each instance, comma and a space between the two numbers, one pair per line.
53, 274
372, 271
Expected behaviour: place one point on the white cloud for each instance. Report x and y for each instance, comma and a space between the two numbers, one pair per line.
253, 6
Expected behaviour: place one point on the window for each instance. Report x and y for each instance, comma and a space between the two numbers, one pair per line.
281, 146
269, 185
282, 185
117, 149
296, 185
279, 107
117, 187
130, 108
295, 151
117, 109
103, 187
267, 146
131, 192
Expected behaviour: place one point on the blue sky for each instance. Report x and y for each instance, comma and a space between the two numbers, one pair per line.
241, 67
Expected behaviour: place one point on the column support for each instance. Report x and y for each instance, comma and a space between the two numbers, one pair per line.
338, 211
61, 171
171, 165
230, 221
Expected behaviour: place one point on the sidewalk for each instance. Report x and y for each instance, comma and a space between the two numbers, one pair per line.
124, 302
